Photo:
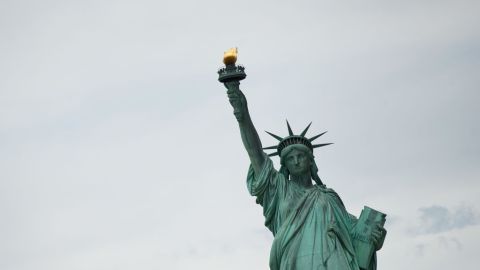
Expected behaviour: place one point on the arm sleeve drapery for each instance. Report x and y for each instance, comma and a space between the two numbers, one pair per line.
269, 187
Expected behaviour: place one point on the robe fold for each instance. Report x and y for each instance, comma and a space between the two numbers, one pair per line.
311, 226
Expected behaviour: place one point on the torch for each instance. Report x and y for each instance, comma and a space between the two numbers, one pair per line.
231, 74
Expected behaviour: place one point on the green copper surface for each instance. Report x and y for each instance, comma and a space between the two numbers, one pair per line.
311, 226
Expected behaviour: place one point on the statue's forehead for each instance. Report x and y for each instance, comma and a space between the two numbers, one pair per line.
295, 154
295, 148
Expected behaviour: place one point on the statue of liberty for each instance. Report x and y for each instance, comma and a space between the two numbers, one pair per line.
311, 227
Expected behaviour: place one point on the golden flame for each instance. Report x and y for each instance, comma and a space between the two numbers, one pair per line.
230, 56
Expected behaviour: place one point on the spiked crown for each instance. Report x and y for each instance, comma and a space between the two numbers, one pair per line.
294, 139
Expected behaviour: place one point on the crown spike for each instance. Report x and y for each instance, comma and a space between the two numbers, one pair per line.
275, 136
273, 154
305, 130
320, 145
270, 147
290, 132
315, 137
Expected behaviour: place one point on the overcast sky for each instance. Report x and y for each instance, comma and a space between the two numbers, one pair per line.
119, 149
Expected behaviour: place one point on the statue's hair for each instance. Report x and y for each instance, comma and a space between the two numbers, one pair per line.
308, 152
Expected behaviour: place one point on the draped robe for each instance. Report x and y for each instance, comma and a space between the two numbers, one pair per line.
311, 226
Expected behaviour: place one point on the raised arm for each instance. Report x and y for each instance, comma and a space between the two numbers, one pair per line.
249, 134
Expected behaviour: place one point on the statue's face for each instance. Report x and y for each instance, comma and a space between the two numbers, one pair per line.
297, 162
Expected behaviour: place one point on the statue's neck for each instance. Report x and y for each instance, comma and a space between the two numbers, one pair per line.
304, 180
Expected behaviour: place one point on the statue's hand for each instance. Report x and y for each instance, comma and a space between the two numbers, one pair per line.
378, 236
237, 100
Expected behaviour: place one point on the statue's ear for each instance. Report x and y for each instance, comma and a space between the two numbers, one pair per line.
313, 167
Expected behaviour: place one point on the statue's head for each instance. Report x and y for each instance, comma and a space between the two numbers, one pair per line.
296, 154
297, 158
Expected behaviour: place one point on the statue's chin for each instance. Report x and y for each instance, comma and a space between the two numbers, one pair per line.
298, 172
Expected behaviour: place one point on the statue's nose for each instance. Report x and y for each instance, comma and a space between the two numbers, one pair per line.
295, 160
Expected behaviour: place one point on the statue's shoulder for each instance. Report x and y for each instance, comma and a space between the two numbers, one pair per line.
325, 189
331, 193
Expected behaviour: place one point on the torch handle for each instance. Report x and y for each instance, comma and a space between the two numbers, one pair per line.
237, 99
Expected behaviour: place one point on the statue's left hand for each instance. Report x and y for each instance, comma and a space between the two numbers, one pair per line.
378, 237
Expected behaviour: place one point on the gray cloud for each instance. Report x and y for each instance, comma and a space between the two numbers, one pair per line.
419, 249
118, 146
449, 243
437, 219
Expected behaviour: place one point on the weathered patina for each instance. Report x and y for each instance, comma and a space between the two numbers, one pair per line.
311, 226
